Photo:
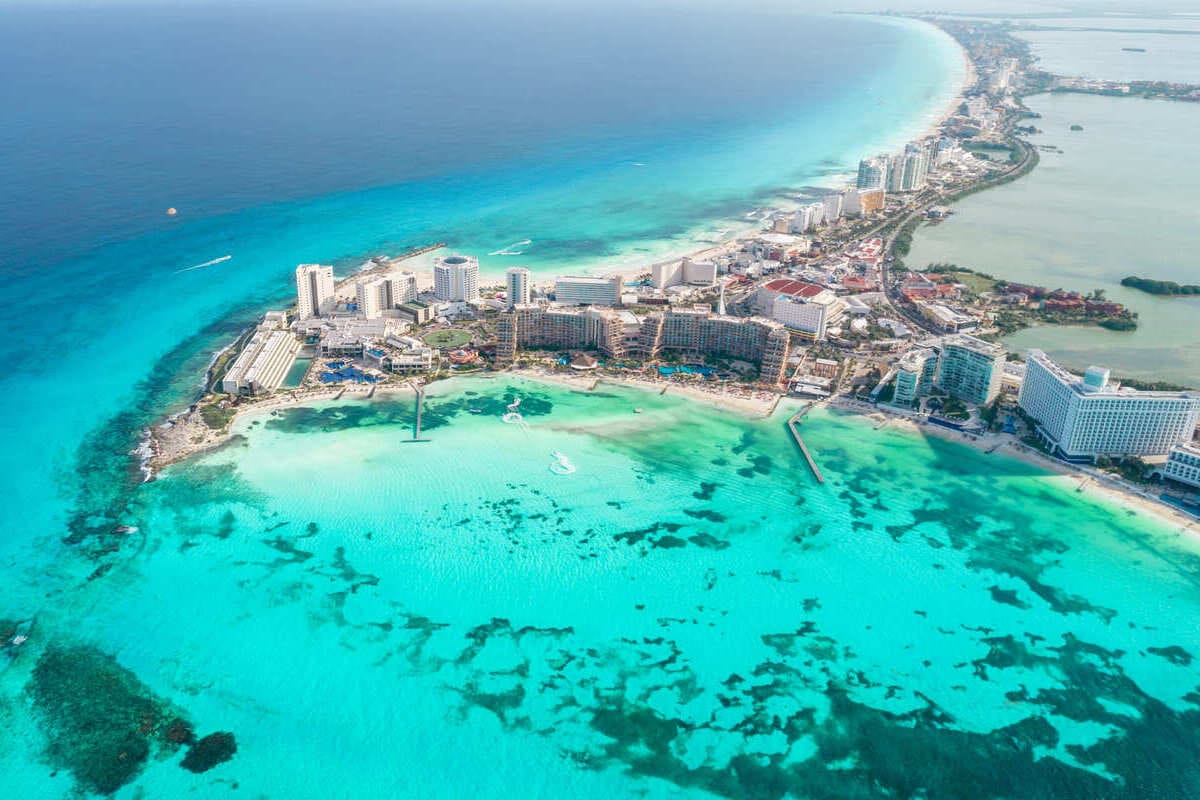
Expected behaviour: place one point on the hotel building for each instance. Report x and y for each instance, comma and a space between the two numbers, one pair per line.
263, 363
1183, 464
1089, 416
664, 275
806, 308
572, 290
456, 279
970, 369
694, 332
915, 374
314, 290
873, 173
383, 293
517, 282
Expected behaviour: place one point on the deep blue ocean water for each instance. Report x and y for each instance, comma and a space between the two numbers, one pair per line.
314, 133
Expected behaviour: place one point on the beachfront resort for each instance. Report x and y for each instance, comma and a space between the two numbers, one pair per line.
817, 303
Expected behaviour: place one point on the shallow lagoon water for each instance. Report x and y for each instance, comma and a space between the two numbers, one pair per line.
1105, 207
688, 614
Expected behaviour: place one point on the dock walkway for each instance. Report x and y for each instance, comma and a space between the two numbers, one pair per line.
794, 426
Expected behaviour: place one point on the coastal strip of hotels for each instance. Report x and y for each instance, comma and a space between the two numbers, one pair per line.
816, 304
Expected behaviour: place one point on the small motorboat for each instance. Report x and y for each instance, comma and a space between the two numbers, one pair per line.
637, 411
475, 410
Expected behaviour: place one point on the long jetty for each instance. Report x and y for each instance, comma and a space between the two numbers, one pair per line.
420, 392
794, 426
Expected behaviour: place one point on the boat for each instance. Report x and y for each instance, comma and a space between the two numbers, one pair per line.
637, 411
475, 410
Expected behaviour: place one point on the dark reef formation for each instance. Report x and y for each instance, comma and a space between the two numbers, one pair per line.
216, 748
103, 725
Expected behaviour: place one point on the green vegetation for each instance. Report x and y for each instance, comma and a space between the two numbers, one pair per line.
217, 416
1168, 288
977, 283
1154, 386
1131, 468
447, 339
904, 238
990, 149
990, 412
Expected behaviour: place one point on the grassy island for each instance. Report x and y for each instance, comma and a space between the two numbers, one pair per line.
1167, 288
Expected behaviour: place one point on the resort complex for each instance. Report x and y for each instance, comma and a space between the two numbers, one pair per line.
816, 303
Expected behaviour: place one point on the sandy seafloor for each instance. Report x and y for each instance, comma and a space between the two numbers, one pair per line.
687, 614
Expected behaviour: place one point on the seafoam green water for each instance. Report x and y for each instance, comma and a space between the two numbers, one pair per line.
1109, 205
686, 614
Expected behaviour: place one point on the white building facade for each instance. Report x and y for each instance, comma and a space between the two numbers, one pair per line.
1183, 464
575, 290
456, 279
1089, 416
381, 294
517, 286
314, 290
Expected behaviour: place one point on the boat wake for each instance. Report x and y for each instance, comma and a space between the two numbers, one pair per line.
205, 264
508, 250
562, 465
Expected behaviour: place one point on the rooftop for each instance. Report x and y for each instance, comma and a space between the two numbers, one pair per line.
974, 345
1108, 388
794, 288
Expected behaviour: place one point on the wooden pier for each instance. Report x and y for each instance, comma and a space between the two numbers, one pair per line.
794, 427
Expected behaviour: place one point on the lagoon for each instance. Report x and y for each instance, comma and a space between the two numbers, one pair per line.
1106, 206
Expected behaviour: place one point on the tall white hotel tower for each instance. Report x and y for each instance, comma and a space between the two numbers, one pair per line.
456, 278
518, 286
314, 290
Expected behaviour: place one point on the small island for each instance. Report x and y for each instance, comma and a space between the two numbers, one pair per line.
1165, 288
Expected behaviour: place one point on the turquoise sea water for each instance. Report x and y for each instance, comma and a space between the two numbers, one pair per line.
686, 615
1107, 206
104, 338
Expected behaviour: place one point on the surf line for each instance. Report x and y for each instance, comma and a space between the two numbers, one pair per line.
205, 264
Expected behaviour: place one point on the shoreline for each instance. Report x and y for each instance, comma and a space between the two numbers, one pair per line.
1086, 480
165, 447
184, 434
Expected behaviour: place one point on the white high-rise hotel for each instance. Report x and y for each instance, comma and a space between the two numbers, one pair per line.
517, 279
314, 290
1089, 416
456, 279
380, 294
